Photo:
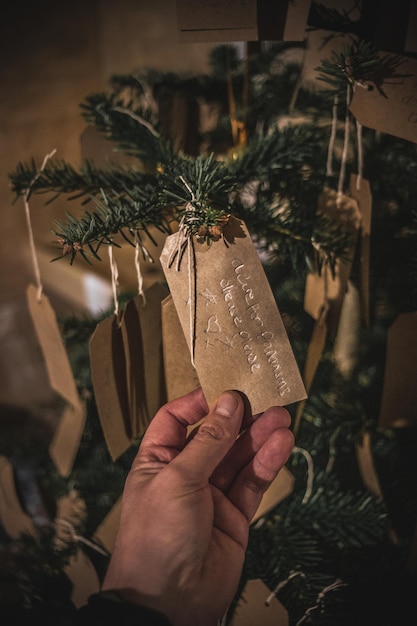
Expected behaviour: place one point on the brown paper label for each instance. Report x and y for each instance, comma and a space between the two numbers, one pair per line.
127, 369
278, 490
391, 108
230, 320
68, 432
361, 191
50, 341
67, 436
80, 570
323, 289
149, 315
84, 578
314, 354
346, 344
13, 518
367, 466
134, 370
208, 15
180, 375
399, 396
108, 372
258, 605
106, 532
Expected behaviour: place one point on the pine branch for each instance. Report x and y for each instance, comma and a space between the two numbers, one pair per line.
356, 64
287, 165
133, 128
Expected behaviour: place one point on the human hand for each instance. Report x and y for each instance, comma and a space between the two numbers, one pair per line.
187, 504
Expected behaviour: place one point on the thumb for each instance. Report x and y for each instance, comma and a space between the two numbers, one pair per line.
214, 437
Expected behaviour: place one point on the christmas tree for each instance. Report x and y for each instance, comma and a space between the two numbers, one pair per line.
298, 168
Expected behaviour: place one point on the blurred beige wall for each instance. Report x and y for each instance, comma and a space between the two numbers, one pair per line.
53, 54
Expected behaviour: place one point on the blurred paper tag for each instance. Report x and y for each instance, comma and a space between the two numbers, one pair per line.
127, 369
367, 466
142, 339
230, 319
84, 578
323, 289
257, 605
180, 375
392, 107
71, 509
399, 396
315, 348
278, 490
50, 341
106, 532
361, 191
63, 448
108, 373
14, 521
72, 420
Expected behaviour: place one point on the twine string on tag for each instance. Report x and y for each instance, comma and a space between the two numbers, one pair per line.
310, 473
281, 585
26, 197
114, 280
330, 150
360, 155
342, 172
192, 297
138, 268
185, 240
336, 585
78, 538
332, 450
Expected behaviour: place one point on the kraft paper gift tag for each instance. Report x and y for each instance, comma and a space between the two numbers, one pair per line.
84, 578
68, 432
180, 375
134, 369
127, 369
230, 320
105, 534
361, 191
258, 605
142, 337
235, 20
392, 106
80, 570
345, 210
399, 395
13, 519
325, 292
278, 490
367, 466
108, 373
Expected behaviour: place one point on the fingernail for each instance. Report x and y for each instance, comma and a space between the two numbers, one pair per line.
227, 404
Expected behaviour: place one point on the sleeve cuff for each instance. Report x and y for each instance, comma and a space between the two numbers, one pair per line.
109, 608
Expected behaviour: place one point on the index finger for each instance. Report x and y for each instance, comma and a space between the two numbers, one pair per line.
167, 433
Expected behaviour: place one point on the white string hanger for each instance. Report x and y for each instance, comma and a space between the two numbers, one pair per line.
26, 197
